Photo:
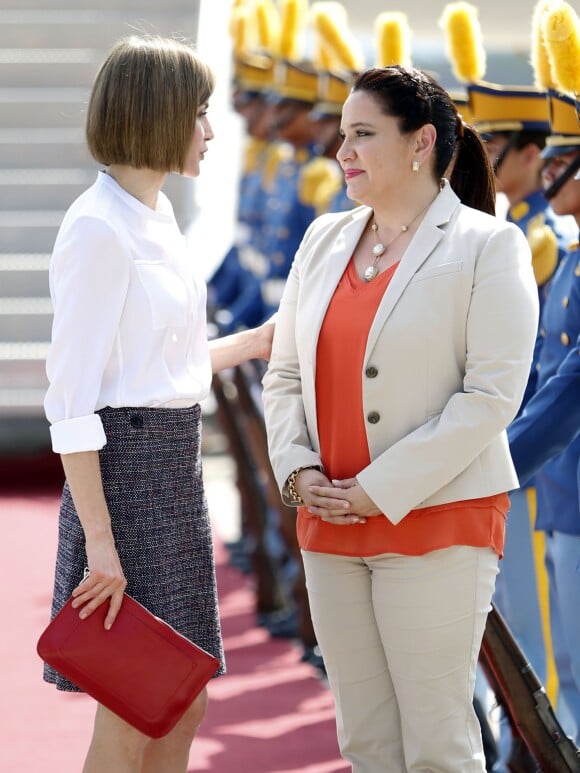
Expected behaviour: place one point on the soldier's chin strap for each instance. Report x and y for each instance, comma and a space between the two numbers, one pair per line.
553, 189
501, 156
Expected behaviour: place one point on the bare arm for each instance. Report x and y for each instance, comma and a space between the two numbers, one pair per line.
106, 578
229, 351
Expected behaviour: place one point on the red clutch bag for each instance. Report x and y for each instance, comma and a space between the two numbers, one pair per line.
142, 669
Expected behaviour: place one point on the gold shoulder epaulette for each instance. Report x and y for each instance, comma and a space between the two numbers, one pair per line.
544, 246
277, 154
252, 153
319, 179
519, 210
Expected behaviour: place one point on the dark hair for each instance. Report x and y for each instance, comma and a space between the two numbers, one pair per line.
416, 99
144, 103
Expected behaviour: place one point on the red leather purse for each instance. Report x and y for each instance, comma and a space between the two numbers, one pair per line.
142, 669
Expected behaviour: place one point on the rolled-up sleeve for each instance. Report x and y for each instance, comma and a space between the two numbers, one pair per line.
89, 277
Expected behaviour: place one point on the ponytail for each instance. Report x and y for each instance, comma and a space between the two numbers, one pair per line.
472, 176
416, 99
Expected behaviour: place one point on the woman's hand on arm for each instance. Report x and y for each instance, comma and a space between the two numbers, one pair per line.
231, 350
105, 579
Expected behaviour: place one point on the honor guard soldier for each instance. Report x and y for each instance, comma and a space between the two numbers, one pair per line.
253, 74
292, 94
557, 481
337, 60
333, 91
514, 120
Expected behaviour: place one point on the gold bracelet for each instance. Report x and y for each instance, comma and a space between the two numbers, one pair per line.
291, 482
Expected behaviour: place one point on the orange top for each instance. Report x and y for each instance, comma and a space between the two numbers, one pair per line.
344, 448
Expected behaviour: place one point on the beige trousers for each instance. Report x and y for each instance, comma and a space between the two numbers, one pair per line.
400, 636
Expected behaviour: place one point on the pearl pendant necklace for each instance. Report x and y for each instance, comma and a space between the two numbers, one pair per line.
379, 249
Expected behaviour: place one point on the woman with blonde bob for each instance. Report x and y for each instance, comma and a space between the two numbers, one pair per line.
128, 365
402, 348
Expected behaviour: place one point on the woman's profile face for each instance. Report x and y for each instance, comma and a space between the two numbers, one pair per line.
375, 156
202, 134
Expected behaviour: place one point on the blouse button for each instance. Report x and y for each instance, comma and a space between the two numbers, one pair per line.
136, 420
373, 417
564, 338
371, 372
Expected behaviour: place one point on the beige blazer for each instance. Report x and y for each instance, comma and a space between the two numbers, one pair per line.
446, 362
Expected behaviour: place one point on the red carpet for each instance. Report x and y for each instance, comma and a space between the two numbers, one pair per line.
269, 714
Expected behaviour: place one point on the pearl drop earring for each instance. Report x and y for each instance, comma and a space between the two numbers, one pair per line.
415, 166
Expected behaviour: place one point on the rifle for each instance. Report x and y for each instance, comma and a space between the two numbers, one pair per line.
270, 595
522, 696
247, 380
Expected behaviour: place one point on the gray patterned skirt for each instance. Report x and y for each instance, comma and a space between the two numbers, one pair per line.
152, 477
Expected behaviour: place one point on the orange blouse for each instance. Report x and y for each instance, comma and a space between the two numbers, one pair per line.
344, 448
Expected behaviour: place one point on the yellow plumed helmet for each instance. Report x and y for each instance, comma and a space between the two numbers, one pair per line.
465, 48
392, 39
539, 58
330, 21
561, 29
324, 58
293, 16
268, 26
240, 8
242, 31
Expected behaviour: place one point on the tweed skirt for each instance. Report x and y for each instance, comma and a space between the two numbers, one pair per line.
152, 478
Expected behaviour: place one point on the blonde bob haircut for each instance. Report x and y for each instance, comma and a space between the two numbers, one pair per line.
144, 103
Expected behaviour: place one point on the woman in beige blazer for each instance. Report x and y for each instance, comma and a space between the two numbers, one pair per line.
402, 348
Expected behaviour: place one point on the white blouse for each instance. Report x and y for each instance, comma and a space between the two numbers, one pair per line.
129, 324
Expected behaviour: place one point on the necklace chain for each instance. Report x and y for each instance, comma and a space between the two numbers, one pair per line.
379, 249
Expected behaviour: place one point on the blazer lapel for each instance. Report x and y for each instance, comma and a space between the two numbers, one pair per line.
339, 252
422, 244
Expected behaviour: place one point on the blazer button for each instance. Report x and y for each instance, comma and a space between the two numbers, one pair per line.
136, 420
371, 372
565, 339
373, 417
565, 301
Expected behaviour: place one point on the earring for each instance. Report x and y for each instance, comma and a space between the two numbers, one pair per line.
415, 166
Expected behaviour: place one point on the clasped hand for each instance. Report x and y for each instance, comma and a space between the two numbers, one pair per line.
342, 502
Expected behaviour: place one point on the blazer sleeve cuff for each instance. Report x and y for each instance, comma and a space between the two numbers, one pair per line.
83, 433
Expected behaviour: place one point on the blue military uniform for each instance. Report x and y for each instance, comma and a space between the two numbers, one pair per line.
275, 231
521, 114
285, 222
340, 202
560, 327
557, 480
549, 237
550, 421
253, 75
230, 278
